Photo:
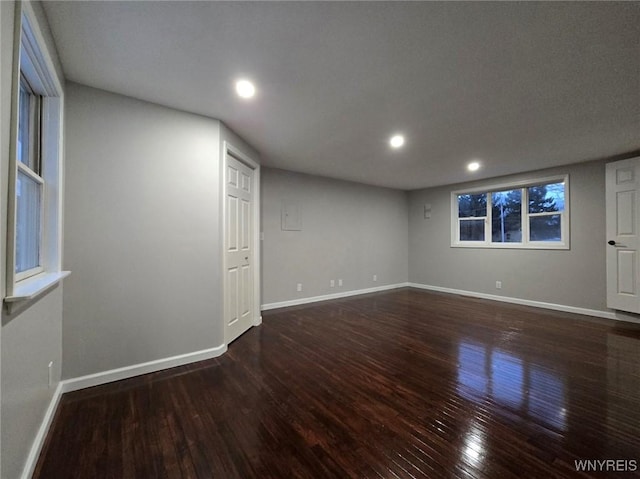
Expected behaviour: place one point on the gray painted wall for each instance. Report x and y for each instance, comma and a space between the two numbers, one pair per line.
30, 339
142, 232
31, 336
349, 231
575, 277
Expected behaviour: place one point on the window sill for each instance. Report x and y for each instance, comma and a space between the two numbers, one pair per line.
33, 287
547, 246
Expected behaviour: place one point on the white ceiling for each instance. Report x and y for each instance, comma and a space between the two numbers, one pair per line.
519, 85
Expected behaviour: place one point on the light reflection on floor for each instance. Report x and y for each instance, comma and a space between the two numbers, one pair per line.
485, 372
473, 451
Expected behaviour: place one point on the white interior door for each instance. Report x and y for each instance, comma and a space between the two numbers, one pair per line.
239, 307
623, 210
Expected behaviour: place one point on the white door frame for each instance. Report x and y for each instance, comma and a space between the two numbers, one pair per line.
228, 149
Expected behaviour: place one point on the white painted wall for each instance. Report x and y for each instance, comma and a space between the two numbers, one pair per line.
142, 233
32, 336
349, 231
574, 278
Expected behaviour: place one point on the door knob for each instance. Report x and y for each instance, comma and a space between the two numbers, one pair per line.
611, 242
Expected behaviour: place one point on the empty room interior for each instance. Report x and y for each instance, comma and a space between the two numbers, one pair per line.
319, 239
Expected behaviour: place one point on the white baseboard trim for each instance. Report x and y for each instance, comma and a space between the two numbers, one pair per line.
628, 317
38, 442
126, 372
105, 377
526, 302
326, 297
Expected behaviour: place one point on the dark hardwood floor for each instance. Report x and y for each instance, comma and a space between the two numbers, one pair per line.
402, 384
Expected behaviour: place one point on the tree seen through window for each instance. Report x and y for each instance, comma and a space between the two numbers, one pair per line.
504, 216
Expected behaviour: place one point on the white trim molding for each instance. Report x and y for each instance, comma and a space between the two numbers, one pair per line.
105, 377
34, 286
34, 61
527, 302
127, 372
326, 297
43, 430
619, 316
525, 241
628, 317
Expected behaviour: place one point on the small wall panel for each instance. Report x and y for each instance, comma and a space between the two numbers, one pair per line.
232, 296
232, 176
627, 272
232, 224
245, 225
625, 223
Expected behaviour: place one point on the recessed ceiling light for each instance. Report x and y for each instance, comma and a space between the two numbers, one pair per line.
245, 89
473, 166
396, 141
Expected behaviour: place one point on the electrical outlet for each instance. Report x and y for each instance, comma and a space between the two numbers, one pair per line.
299, 287
375, 277
50, 373
332, 283
339, 282
498, 284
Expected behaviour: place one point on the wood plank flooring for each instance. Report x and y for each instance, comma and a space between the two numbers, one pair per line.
401, 384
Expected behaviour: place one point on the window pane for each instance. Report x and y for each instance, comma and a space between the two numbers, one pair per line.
23, 125
545, 228
506, 216
545, 198
27, 223
28, 149
472, 205
471, 230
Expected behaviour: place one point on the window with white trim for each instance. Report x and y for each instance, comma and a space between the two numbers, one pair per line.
531, 214
35, 186
29, 184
